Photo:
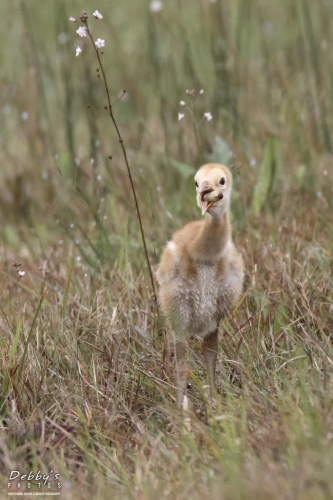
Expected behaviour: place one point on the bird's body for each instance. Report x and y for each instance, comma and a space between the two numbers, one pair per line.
200, 275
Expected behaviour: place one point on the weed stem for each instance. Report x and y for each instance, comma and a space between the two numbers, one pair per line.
125, 158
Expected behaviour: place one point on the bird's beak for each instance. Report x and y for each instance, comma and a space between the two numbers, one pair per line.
207, 198
205, 205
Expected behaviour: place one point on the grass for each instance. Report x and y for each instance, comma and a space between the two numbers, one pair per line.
86, 365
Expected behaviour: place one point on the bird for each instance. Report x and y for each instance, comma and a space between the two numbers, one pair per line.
200, 275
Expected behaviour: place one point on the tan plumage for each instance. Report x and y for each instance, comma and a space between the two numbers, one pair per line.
200, 275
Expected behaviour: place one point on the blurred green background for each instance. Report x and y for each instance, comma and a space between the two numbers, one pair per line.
266, 71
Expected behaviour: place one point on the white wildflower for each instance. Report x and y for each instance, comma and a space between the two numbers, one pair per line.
97, 15
72, 19
208, 116
24, 116
81, 31
21, 273
325, 173
78, 51
156, 5
100, 43
180, 116
182, 103
253, 162
201, 91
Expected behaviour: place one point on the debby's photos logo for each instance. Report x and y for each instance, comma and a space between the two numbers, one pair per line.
33, 483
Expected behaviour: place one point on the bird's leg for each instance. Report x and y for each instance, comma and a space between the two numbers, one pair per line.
210, 349
181, 371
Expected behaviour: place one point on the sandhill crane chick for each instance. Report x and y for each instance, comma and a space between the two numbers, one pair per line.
200, 275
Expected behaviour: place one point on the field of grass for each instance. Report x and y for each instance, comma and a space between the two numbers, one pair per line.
86, 362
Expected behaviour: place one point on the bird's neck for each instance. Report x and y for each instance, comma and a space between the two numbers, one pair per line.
212, 238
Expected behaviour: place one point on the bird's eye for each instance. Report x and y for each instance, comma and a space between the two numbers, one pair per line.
196, 184
222, 181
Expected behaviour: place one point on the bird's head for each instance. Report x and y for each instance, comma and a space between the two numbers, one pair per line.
217, 178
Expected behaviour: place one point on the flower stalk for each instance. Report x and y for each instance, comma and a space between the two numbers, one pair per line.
102, 76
